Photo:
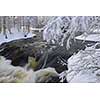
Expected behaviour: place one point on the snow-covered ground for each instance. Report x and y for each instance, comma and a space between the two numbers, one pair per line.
14, 36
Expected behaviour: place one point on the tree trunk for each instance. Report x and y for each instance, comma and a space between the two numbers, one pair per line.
0, 24
4, 27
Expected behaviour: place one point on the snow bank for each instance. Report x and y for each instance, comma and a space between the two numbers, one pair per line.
84, 66
14, 36
90, 37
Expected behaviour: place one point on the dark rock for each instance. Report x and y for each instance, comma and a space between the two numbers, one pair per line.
51, 79
19, 50
60, 54
53, 59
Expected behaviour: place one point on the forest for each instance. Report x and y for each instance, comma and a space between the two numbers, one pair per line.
49, 49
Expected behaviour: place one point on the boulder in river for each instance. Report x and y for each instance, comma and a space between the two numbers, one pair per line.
19, 50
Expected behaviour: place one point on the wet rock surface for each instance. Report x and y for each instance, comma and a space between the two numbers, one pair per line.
19, 50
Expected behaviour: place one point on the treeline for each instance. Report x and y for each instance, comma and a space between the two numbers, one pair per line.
21, 23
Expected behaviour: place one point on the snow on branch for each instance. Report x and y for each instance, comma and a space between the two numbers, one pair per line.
64, 28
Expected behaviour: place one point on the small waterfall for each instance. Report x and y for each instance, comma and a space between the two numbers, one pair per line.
12, 74
9, 73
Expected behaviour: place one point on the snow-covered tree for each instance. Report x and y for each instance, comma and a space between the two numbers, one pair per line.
42, 20
55, 29
60, 30
9, 23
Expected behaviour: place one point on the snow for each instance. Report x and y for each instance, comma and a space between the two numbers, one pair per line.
53, 32
14, 36
90, 37
84, 77
84, 67
37, 29
63, 28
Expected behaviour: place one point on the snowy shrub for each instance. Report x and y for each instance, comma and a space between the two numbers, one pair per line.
84, 66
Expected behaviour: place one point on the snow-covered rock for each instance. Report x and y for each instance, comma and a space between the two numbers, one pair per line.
46, 75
